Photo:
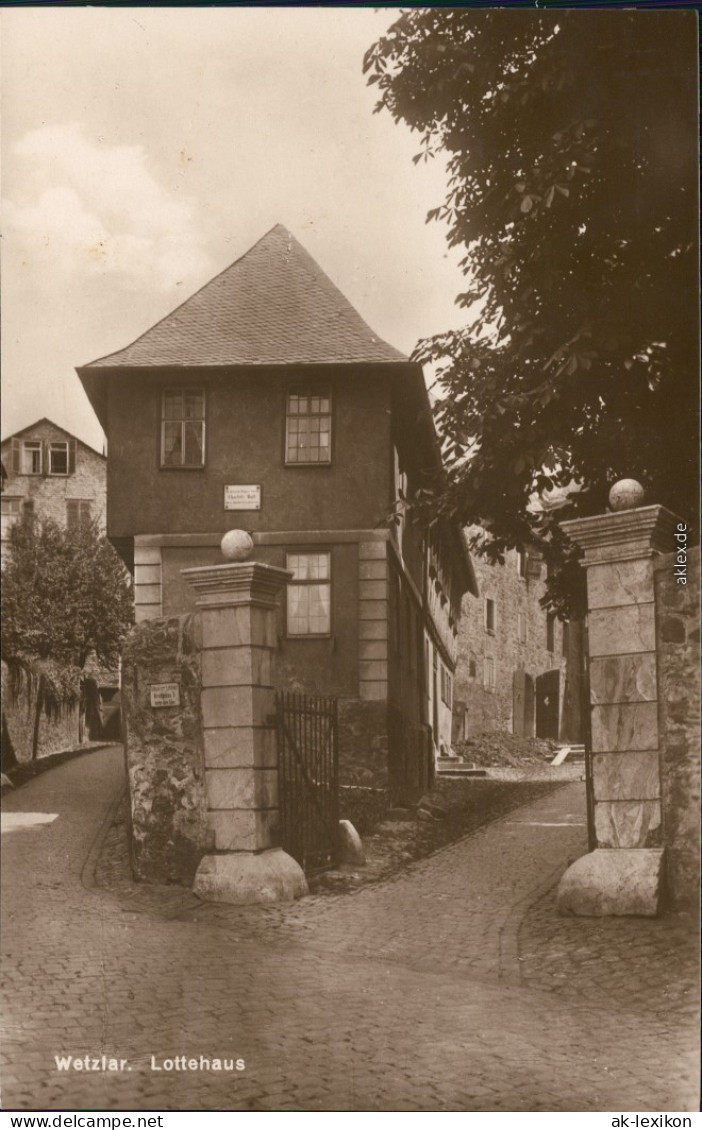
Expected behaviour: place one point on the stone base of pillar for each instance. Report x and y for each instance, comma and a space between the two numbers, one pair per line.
244, 877
613, 882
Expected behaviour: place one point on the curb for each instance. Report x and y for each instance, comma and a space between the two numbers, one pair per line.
87, 875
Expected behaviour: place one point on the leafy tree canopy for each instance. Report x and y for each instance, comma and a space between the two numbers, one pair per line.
63, 591
570, 139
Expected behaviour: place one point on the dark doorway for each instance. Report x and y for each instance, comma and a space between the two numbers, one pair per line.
547, 704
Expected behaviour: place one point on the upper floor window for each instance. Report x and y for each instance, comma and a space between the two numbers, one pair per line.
31, 457
308, 426
58, 458
183, 428
309, 594
77, 512
522, 564
490, 616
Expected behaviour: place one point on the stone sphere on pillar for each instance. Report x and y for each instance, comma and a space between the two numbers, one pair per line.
236, 545
627, 494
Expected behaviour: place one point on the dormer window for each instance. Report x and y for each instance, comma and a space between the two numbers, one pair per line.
308, 426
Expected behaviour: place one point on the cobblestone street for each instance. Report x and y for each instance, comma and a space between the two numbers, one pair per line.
452, 986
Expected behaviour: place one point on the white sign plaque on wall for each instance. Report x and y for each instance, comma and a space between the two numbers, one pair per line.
165, 694
242, 497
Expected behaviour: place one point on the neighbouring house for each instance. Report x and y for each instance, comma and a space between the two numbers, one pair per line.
519, 667
265, 402
51, 474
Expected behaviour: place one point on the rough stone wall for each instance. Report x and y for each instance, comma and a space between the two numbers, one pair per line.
492, 709
363, 743
164, 751
678, 648
50, 492
55, 734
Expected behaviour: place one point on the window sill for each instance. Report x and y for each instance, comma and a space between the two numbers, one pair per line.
184, 467
309, 636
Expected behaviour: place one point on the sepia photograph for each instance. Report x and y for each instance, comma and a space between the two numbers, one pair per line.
350, 562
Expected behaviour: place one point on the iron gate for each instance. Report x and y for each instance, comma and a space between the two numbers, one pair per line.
308, 776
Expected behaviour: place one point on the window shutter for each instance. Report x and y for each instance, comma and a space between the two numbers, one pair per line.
72, 513
15, 465
45, 457
71, 457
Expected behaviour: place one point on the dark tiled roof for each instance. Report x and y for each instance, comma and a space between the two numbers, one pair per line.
273, 306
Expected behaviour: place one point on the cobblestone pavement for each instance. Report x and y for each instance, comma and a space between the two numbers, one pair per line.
441, 989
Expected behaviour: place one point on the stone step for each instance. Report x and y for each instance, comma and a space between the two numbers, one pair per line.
450, 768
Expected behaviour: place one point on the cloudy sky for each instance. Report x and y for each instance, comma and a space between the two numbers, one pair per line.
145, 149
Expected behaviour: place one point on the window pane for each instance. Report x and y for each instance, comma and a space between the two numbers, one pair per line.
172, 406
172, 444
308, 609
31, 458
193, 443
58, 459
194, 405
11, 505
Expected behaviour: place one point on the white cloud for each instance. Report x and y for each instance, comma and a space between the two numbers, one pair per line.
93, 209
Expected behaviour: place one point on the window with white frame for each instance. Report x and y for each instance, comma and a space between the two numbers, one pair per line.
489, 675
31, 457
490, 615
309, 594
183, 427
308, 426
58, 458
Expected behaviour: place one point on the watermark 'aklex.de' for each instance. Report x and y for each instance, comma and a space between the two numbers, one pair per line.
680, 571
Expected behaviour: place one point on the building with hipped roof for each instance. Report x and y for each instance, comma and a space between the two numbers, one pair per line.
265, 402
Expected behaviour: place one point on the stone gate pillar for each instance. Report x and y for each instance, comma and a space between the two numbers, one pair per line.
624, 875
238, 621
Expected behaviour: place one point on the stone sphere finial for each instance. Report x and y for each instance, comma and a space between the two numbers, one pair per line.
236, 545
627, 494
